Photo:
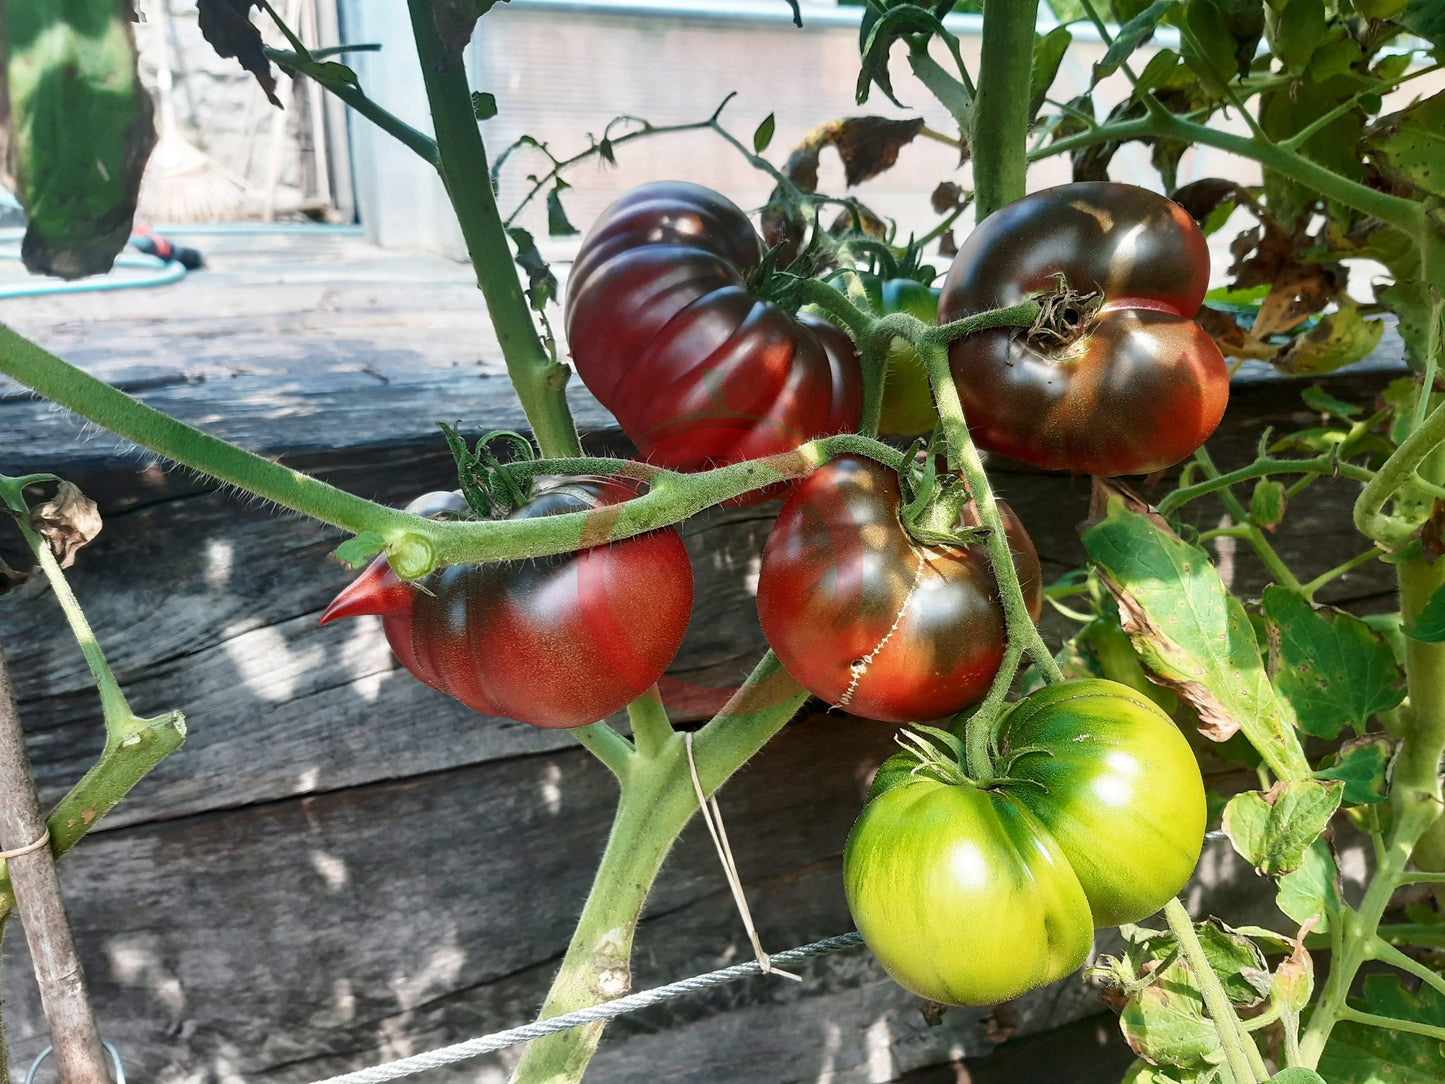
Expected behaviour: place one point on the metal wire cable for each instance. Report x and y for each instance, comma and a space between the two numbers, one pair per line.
486, 1044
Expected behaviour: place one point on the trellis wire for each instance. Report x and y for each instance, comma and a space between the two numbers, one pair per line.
486, 1044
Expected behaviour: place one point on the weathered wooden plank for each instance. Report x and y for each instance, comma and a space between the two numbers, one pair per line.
289, 940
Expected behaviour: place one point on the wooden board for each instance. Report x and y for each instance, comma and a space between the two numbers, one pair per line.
341, 865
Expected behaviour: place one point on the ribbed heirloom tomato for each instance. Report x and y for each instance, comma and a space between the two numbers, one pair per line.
1129, 388
872, 620
556, 641
972, 894
697, 369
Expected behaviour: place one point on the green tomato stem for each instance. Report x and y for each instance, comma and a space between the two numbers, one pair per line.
1395, 474
657, 801
1267, 554
1325, 463
651, 728
953, 94
1235, 1041
133, 744
1000, 114
539, 381
1379, 949
1391, 1023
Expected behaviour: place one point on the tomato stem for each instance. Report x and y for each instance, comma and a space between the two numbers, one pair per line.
1247, 1067
462, 162
1000, 112
651, 728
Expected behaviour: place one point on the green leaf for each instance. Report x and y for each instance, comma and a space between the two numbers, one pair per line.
1195, 636
1130, 36
1316, 398
1414, 148
764, 134
1165, 1023
1266, 505
1429, 627
80, 130
1234, 958
484, 105
1427, 19
1361, 767
1049, 50
1311, 890
1297, 1075
1339, 339
357, 552
1363, 1054
557, 224
1219, 39
541, 283
1295, 31
1333, 672
1272, 829
1411, 302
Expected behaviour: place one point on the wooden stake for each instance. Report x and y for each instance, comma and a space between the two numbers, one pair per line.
79, 1057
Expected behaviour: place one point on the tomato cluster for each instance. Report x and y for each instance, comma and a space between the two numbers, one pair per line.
971, 894
555, 641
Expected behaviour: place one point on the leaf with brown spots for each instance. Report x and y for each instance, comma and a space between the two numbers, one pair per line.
1192, 635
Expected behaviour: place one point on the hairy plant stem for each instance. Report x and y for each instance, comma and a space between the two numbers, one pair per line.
1396, 474
1415, 785
1022, 634
464, 171
133, 744
1326, 463
1250, 532
656, 802
1236, 1041
1000, 113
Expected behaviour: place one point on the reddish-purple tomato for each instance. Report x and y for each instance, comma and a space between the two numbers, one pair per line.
1138, 385
872, 620
698, 370
554, 641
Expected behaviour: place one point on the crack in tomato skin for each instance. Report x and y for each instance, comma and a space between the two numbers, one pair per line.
859, 667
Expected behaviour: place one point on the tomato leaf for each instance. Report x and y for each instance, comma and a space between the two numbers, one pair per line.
1313, 889
1193, 635
764, 134
557, 224
67, 521
1272, 829
1316, 398
356, 552
1362, 1054
1295, 29
1333, 672
1297, 1075
1425, 18
1234, 958
1429, 627
1049, 50
484, 105
1165, 1023
1410, 146
227, 26
80, 130
1339, 339
1267, 504
1361, 766
1130, 36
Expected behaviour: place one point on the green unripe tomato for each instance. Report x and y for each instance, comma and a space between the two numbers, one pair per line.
961, 895
1118, 789
908, 409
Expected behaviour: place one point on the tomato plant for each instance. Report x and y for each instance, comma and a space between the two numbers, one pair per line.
556, 642
871, 619
1134, 384
974, 891
696, 367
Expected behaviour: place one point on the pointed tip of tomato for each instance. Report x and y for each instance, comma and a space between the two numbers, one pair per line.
376, 591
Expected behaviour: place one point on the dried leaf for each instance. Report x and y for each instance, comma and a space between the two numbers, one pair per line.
867, 145
946, 197
67, 521
227, 25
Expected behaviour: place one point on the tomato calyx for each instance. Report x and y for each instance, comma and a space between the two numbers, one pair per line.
943, 759
1065, 315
